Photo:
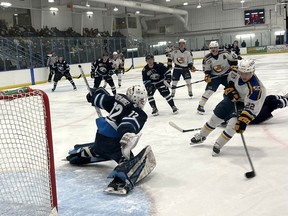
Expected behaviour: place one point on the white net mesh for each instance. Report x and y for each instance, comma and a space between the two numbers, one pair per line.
25, 182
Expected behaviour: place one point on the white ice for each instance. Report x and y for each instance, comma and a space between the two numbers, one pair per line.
187, 179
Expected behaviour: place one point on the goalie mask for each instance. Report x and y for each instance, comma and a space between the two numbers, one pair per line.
138, 95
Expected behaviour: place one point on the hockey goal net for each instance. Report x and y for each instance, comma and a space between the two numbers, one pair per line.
27, 174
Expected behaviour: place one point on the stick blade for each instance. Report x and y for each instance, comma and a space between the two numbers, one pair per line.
251, 174
172, 124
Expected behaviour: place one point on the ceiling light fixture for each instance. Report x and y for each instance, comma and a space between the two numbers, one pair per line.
87, 4
199, 5
51, 1
167, 0
6, 4
54, 9
115, 9
137, 12
185, 3
242, 1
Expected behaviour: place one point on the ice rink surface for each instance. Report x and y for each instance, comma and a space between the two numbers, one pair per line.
187, 179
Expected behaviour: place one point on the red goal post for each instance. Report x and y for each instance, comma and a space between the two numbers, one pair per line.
27, 172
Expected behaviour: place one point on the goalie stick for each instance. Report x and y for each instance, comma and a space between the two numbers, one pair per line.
88, 87
172, 124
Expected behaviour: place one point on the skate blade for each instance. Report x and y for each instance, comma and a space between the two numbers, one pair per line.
111, 190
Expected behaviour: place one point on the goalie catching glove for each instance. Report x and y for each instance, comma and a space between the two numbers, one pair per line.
128, 142
243, 120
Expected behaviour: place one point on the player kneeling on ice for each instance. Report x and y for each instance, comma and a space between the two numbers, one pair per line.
244, 89
116, 136
154, 75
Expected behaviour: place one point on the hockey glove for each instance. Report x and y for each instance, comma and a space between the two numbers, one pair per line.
90, 98
168, 81
243, 121
193, 69
92, 74
111, 72
128, 142
207, 78
232, 93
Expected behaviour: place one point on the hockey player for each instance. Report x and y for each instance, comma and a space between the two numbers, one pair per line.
117, 135
103, 69
169, 49
50, 63
248, 93
62, 68
183, 60
118, 65
216, 66
271, 103
153, 75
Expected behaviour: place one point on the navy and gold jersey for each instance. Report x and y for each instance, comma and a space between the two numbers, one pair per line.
252, 93
124, 116
218, 64
101, 68
61, 67
155, 75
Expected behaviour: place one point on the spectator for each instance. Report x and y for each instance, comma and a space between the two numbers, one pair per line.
243, 44
256, 43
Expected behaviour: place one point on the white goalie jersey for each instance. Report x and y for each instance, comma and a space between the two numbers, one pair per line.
218, 65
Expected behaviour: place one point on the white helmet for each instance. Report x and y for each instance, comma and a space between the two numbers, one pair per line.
213, 44
115, 53
138, 95
182, 41
247, 66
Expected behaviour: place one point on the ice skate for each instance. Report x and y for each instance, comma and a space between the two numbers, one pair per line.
175, 110
216, 150
200, 110
155, 111
197, 139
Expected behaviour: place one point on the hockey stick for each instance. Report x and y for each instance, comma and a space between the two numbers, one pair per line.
129, 69
77, 77
88, 87
252, 173
180, 86
172, 124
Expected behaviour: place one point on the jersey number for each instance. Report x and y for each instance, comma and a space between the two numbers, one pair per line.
116, 110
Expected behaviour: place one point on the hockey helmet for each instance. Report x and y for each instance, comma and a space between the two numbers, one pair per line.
182, 41
213, 44
138, 95
115, 53
105, 54
247, 66
149, 56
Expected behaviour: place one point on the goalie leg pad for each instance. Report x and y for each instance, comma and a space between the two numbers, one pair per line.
135, 169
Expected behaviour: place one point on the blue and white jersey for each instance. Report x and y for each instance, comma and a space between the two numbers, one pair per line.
124, 116
252, 93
